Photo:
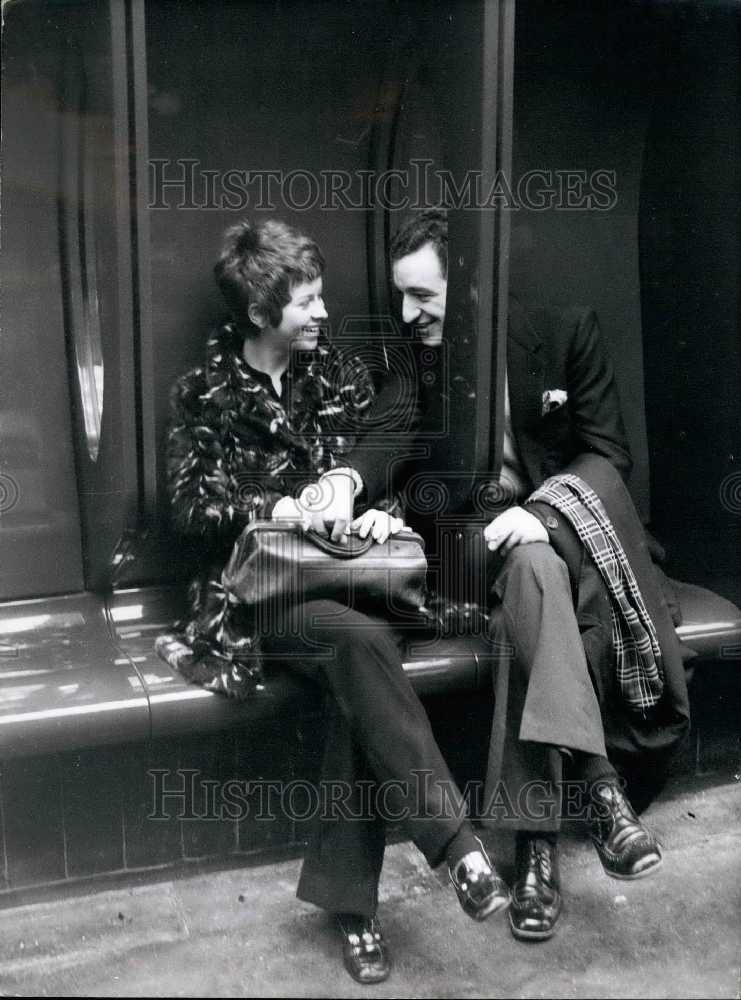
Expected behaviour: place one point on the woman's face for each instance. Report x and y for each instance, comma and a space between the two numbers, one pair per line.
302, 318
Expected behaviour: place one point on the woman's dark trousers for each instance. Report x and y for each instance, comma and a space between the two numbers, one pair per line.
380, 764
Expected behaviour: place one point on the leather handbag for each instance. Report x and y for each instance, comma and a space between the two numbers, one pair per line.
274, 566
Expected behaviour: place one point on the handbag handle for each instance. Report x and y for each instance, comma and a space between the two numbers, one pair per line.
349, 551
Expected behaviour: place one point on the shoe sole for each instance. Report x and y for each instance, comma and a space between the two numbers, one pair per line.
648, 870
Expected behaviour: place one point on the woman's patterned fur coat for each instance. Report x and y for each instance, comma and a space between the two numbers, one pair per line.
232, 451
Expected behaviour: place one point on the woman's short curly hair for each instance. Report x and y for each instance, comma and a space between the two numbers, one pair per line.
259, 265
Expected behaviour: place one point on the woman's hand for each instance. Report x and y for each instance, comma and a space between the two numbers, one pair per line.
379, 523
288, 509
329, 502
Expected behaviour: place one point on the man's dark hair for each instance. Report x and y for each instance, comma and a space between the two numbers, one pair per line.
259, 265
430, 226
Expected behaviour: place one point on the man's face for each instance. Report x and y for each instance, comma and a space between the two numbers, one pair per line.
302, 318
419, 278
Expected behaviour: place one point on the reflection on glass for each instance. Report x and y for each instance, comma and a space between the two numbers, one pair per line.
78, 178
88, 348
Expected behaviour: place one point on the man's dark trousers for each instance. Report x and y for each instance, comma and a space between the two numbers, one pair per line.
544, 697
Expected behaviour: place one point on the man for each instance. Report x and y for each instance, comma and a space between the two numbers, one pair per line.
553, 703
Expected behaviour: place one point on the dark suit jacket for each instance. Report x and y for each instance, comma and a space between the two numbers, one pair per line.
546, 349
555, 349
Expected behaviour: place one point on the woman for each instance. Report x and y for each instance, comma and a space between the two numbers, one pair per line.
276, 408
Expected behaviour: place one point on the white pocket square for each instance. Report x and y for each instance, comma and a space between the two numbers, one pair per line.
554, 399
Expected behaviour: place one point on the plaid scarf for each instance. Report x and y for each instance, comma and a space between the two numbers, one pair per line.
637, 652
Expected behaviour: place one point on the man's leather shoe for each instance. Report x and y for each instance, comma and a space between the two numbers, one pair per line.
536, 894
364, 950
479, 888
626, 848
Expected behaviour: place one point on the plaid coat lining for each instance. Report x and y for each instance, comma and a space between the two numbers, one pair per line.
637, 653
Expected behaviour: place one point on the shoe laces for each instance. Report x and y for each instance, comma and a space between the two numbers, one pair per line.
623, 824
535, 870
541, 855
360, 932
472, 867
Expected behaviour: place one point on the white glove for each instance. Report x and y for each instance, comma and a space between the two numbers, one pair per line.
515, 526
330, 501
288, 509
379, 523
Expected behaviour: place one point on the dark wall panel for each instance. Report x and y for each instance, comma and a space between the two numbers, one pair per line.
691, 266
254, 87
39, 517
582, 93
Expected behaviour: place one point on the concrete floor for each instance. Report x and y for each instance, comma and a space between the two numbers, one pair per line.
241, 933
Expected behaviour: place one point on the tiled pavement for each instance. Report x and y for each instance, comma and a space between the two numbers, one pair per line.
240, 932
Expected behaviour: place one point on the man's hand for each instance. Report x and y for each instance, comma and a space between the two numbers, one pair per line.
379, 523
515, 526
